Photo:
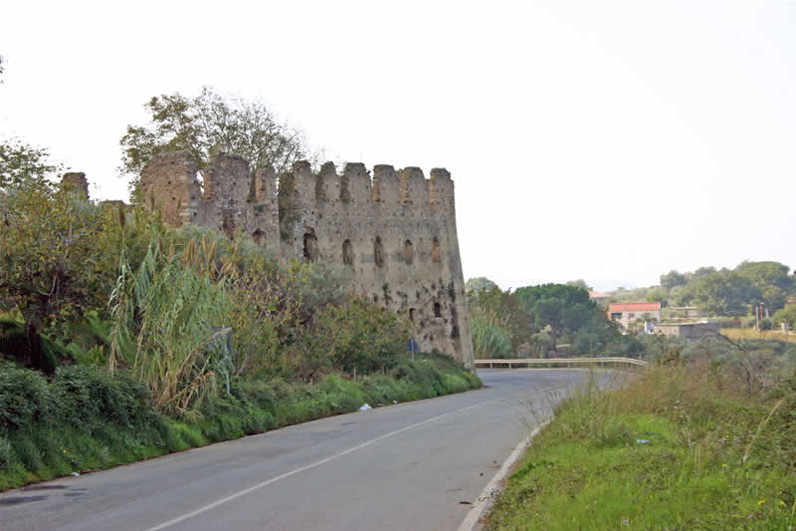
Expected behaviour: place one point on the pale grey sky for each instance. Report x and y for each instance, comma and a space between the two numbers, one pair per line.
610, 141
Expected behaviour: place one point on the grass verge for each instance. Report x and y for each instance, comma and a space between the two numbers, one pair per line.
750, 334
678, 448
84, 420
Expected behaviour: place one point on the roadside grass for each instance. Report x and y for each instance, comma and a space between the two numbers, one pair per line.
677, 448
84, 420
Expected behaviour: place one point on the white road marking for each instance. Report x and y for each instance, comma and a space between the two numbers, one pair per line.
295, 471
487, 496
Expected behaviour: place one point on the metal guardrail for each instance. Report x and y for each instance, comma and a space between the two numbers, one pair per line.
509, 363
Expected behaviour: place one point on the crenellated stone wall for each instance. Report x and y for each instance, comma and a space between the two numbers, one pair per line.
394, 230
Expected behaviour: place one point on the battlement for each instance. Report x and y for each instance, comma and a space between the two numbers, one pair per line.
75, 182
406, 187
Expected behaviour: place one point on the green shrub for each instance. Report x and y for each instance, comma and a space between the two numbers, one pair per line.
25, 398
86, 419
88, 397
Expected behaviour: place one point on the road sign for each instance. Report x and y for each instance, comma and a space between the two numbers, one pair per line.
412, 347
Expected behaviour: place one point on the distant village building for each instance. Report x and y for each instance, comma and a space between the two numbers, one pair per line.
626, 313
688, 331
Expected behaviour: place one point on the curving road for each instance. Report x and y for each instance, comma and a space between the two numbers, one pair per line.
418, 465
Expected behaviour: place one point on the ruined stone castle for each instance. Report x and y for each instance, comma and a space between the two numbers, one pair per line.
394, 230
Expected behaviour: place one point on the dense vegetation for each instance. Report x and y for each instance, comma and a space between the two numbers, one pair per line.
531, 321
724, 292
85, 419
704, 440
129, 340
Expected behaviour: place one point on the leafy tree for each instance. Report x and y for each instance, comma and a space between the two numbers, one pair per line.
478, 284
770, 279
734, 292
558, 306
49, 258
657, 294
630, 295
580, 283
586, 341
672, 279
21, 163
550, 311
722, 292
786, 315
703, 272
209, 124
59, 260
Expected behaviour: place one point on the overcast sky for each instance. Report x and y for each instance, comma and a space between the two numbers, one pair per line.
609, 141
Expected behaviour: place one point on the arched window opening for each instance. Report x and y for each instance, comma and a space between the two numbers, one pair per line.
258, 236
348, 253
378, 252
437, 309
435, 252
409, 253
310, 246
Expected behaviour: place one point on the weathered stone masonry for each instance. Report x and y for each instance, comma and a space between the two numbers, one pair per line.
395, 230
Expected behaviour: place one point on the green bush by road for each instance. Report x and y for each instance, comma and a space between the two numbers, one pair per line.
83, 419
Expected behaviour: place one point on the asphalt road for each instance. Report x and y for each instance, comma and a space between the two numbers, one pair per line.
417, 466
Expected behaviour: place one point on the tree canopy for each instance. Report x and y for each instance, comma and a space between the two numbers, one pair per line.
557, 306
721, 292
672, 279
22, 163
533, 318
579, 283
786, 315
209, 124
736, 291
479, 284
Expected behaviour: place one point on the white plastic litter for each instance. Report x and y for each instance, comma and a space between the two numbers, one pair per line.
642, 441
365, 407
75, 474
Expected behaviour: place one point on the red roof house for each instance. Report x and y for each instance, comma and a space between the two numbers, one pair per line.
628, 312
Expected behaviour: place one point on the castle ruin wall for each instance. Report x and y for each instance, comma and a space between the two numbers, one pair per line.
394, 232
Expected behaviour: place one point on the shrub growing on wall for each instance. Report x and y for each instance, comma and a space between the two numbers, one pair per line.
356, 338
